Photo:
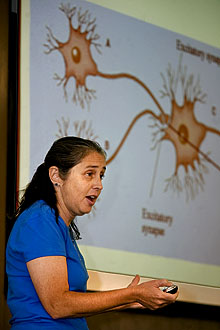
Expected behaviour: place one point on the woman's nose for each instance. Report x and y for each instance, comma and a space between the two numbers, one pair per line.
98, 184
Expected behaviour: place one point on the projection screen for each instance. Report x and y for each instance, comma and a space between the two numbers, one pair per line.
150, 96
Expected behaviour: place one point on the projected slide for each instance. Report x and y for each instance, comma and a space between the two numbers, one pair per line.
151, 98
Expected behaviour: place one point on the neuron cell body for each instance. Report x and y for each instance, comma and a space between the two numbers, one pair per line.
186, 134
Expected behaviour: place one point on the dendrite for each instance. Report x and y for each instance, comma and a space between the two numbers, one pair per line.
81, 129
63, 127
84, 131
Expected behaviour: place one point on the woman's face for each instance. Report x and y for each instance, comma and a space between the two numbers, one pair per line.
77, 194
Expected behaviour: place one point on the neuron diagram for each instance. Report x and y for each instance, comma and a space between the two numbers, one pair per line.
180, 126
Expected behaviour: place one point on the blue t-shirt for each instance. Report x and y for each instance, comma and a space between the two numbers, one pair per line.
37, 234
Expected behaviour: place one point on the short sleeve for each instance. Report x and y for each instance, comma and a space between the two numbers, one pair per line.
41, 236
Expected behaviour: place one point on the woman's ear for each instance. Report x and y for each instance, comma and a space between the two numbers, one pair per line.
54, 176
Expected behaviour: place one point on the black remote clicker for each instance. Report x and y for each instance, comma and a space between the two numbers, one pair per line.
170, 289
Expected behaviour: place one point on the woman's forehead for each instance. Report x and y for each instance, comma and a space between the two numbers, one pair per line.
94, 159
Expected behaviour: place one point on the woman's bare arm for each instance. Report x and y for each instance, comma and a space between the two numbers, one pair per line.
50, 279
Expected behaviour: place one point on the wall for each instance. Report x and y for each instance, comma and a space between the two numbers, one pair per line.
180, 316
196, 19
3, 145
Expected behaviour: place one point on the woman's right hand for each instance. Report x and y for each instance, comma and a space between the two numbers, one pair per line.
149, 295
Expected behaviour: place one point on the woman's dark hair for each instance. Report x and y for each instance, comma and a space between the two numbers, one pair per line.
65, 153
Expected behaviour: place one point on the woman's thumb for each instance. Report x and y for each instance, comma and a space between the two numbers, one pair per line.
135, 281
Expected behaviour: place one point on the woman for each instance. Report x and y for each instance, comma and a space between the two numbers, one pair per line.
46, 272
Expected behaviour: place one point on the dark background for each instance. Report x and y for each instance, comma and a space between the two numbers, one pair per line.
178, 316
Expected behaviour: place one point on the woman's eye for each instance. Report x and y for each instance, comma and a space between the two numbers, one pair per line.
88, 174
91, 174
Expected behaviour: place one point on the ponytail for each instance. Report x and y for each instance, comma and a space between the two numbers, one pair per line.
40, 188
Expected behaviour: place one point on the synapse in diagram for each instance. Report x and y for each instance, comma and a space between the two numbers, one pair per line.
178, 124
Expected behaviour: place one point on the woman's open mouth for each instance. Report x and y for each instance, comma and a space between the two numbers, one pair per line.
91, 199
